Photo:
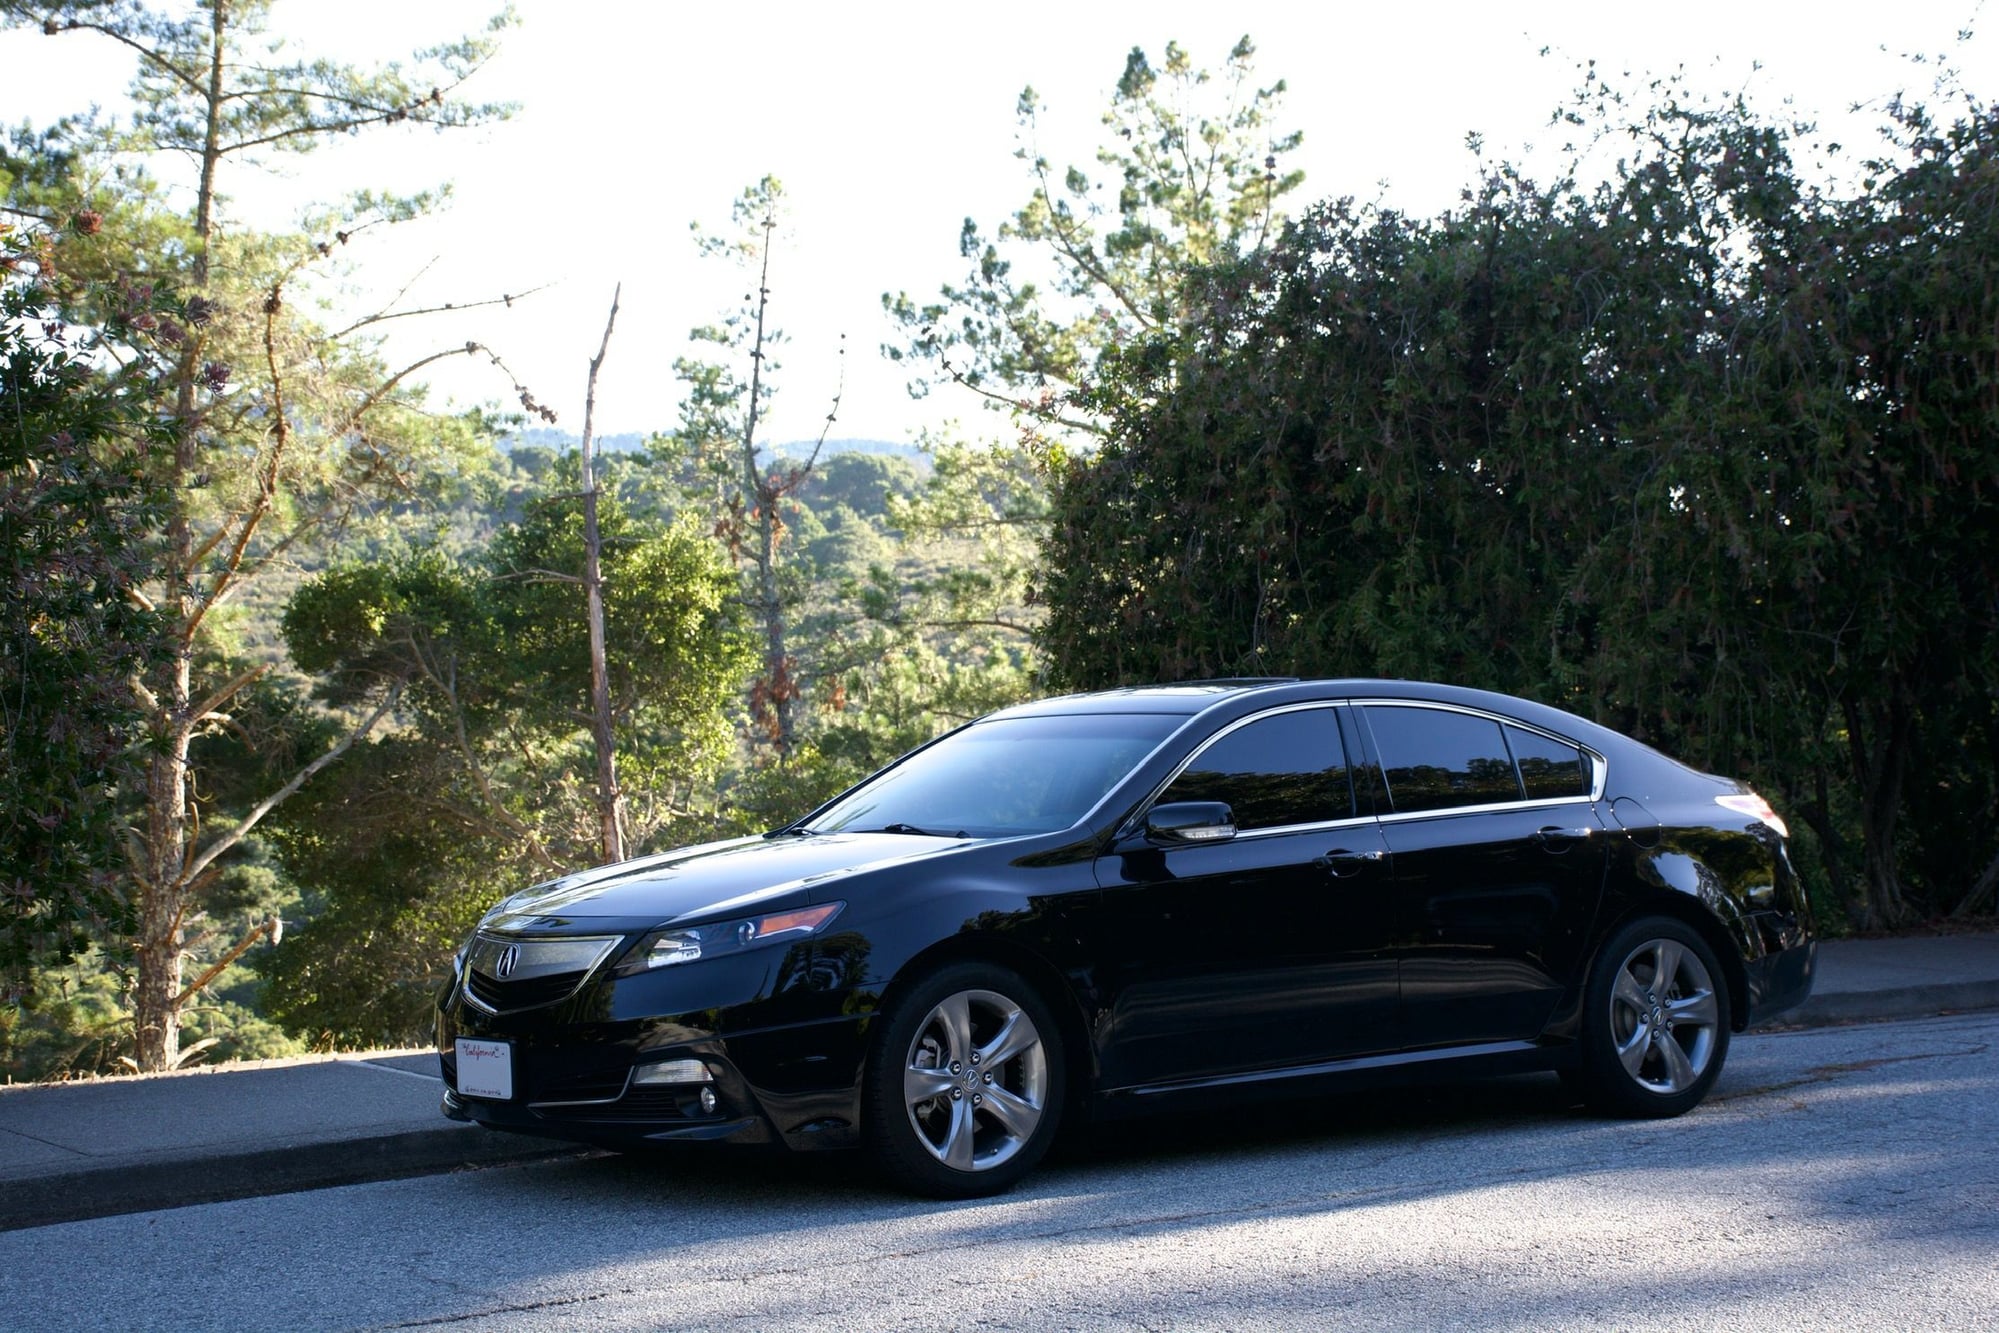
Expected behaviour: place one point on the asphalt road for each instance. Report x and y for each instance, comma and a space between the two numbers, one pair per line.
1841, 1177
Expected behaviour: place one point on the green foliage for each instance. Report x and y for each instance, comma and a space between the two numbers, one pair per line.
1191, 171
395, 875
402, 846
1703, 453
274, 431
77, 511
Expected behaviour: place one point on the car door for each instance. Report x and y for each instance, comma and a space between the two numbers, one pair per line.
1263, 951
1499, 864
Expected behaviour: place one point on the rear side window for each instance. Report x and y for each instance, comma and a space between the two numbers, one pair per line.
1438, 760
1289, 768
1548, 768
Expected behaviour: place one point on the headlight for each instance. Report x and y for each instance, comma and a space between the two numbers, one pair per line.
690, 944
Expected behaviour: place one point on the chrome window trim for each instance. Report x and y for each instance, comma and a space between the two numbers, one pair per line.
1599, 766
1490, 807
610, 943
1248, 835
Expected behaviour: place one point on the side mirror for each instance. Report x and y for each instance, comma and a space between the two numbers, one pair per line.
1185, 822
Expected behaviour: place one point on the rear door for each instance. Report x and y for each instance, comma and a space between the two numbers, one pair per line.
1498, 868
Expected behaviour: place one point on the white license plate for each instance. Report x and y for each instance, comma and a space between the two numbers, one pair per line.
485, 1069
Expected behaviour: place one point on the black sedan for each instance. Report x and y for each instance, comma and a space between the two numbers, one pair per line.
1096, 905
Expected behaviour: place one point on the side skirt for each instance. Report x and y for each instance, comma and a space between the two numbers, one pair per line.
1441, 1063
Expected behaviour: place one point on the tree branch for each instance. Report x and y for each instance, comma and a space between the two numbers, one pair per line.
206, 708
224, 842
146, 53
384, 316
268, 926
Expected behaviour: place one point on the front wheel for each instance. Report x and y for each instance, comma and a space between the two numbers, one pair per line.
965, 1083
1656, 1021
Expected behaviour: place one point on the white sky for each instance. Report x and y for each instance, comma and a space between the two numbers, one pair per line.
890, 123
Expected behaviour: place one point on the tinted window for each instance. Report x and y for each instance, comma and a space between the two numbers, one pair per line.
1435, 760
1286, 769
1548, 767
1010, 775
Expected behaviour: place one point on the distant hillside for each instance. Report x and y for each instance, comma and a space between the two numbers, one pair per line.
561, 441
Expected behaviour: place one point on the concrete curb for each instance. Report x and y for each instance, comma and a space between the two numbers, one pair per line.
1878, 1006
174, 1183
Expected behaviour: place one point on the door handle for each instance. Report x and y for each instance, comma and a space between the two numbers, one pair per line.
1556, 839
1342, 863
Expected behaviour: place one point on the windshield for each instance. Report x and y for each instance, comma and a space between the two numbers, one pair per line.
1009, 776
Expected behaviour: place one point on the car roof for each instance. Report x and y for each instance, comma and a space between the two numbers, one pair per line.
1184, 697
1253, 693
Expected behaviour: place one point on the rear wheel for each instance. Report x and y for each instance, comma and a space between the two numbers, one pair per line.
1656, 1021
965, 1083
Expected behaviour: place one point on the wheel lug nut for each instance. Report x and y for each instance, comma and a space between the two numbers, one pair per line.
957, 1094
989, 1076
975, 1057
976, 1099
957, 1068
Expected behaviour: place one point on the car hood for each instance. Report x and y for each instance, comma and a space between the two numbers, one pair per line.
711, 881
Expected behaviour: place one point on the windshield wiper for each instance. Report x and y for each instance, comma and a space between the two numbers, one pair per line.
911, 828
796, 832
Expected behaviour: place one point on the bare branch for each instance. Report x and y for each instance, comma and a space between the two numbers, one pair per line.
146, 53
385, 315
207, 707
536, 576
383, 389
832, 412
268, 926
225, 841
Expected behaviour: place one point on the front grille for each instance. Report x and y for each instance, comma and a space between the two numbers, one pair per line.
601, 1087
504, 996
506, 973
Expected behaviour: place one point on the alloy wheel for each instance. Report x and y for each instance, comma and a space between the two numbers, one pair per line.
975, 1081
1663, 1017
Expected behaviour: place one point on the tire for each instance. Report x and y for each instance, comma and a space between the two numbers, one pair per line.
1652, 1048
965, 1083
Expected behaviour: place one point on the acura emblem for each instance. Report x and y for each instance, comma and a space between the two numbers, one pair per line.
509, 959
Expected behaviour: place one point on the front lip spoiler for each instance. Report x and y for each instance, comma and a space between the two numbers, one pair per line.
748, 1129
523, 1118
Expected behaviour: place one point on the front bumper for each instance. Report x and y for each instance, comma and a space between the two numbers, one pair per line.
783, 1070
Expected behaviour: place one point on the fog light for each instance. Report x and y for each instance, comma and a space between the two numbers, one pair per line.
674, 1071
707, 1101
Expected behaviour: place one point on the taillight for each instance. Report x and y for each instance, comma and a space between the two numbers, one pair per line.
1749, 803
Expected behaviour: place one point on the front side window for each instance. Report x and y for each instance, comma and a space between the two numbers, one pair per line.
1285, 769
1439, 760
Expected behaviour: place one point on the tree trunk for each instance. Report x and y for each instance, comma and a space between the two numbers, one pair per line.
1987, 880
162, 891
610, 800
776, 690
1878, 739
780, 689
162, 896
